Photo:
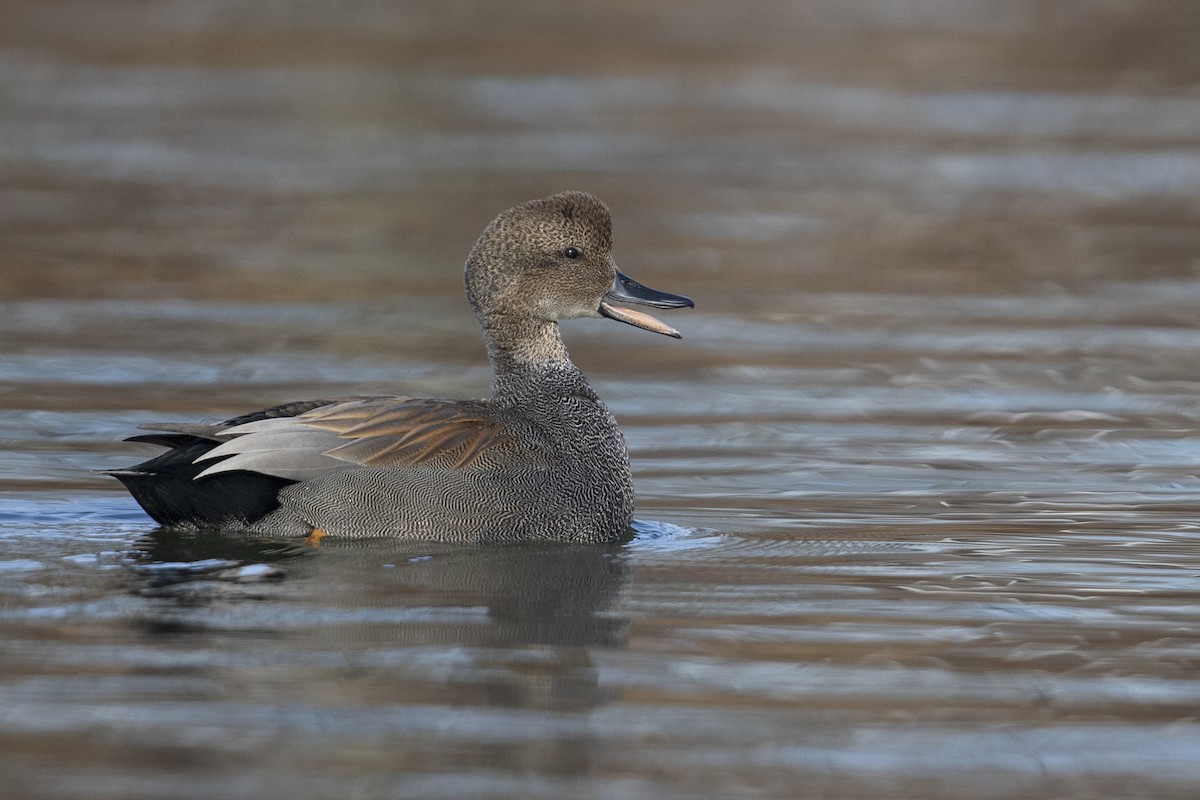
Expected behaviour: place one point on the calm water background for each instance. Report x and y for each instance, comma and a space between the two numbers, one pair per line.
919, 491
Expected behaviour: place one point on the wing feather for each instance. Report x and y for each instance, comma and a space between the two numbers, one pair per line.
480, 441
200, 430
383, 432
288, 440
413, 432
294, 465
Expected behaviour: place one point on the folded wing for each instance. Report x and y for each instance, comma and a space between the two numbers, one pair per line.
382, 432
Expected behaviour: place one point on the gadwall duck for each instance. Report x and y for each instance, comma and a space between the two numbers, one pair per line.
542, 459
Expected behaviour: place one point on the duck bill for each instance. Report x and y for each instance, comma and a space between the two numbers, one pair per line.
626, 289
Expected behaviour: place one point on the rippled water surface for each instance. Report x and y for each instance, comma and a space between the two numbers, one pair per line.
918, 492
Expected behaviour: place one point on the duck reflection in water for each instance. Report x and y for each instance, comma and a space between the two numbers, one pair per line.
545, 594
511, 626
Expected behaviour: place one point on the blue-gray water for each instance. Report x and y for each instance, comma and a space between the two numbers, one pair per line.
918, 492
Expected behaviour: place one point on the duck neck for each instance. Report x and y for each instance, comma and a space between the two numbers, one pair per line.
528, 358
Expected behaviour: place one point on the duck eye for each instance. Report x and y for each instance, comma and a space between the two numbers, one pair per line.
573, 253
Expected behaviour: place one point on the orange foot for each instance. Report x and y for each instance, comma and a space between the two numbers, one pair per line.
314, 538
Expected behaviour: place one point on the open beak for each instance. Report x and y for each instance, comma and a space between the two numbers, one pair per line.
628, 290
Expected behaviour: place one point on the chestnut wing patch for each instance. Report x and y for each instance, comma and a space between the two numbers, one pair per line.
408, 432
387, 432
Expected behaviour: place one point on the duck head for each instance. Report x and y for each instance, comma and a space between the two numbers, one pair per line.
550, 259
